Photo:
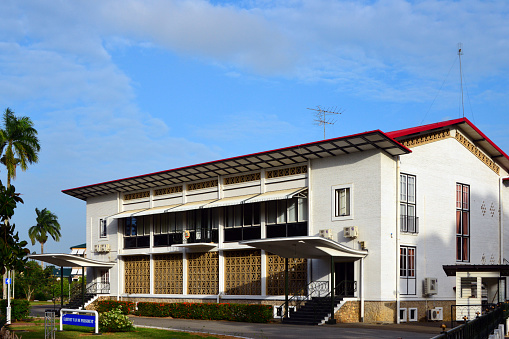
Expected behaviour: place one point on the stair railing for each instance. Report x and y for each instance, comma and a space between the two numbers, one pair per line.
313, 289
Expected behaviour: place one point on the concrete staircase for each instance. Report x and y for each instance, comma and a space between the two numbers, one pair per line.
314, 312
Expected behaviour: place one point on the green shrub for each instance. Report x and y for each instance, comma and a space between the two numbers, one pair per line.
126, 307
232, 312
20, 308
114, 321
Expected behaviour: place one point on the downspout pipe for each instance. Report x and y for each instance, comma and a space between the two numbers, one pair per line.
398, 302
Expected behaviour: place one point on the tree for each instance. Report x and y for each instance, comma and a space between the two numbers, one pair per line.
33, 278
19, 145
47, 223
12, 251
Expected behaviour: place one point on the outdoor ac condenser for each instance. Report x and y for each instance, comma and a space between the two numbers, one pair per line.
327, 234
430, 286
351, 232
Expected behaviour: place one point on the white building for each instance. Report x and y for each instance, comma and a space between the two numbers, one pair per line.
383, 211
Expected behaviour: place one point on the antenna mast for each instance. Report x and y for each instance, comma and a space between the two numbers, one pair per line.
460, 53
321, 116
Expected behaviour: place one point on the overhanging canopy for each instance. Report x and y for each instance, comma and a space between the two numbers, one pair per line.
155, 210
69, 260
450, 270
298, 154
191, 205
126, 213
230, 201
277, 195
306, 247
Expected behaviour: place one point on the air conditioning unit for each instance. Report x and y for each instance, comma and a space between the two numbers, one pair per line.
440, 313
430, 286
436, 314
351, 232
327, 234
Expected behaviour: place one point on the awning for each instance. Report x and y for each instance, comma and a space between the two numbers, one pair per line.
307, 247
69, 260
126, 213
199, 247
191, 205
155, 210
278, 195
450, 270
230, 201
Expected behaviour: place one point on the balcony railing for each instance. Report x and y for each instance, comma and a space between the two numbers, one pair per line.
409, 224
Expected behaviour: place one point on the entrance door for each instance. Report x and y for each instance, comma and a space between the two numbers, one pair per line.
344, 279
104, 285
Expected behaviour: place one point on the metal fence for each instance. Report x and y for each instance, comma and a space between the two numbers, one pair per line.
480, 327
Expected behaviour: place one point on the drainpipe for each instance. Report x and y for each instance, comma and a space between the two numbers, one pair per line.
362, 289
397, 238
500, 222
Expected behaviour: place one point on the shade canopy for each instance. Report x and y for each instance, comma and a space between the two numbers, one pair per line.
450, 270
307, 247
69, 260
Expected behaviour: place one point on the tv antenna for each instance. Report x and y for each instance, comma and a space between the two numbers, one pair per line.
321, 118
460, 53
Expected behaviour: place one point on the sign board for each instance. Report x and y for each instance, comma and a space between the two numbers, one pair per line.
78, 320
7, 281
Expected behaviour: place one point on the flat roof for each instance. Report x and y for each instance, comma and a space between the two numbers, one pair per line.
466, 127
450, 270
287, 156
69, 260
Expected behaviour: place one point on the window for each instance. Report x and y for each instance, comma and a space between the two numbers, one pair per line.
168, 229
468, 287
202, 225
408, 219
286, 217
136, 231
407, 270
102, 228
242, 222
342, 207
462, 222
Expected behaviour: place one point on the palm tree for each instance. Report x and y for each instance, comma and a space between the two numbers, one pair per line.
19, 145
47, 223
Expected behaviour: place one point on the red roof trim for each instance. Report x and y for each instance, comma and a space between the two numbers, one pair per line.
247, 155
425, 128
505, 179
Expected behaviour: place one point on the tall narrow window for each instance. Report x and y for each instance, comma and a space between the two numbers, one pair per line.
408, 219
343, 202
462, 222
407, 270
102, 228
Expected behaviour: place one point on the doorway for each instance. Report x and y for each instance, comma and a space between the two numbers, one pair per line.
344, 279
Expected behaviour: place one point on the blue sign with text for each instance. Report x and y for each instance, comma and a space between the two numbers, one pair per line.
78, 320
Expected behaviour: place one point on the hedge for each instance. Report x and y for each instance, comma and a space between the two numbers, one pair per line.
107, 305
20, 308
231, 312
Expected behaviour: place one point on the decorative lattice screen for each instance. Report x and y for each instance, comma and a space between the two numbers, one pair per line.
168, 274
137, 274
243, 272
203, 273
297, 275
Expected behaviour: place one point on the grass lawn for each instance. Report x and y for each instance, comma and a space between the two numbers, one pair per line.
35, 330
36, 303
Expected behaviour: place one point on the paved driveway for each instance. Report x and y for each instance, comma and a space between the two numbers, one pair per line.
276, 330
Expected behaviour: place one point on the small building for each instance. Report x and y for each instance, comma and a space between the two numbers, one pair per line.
79, 250
375, 214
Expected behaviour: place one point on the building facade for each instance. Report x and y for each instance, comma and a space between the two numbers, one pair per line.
379, 213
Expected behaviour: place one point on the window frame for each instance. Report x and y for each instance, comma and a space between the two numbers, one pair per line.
408, 267
103, 230
406, 204
335, 191
462, 222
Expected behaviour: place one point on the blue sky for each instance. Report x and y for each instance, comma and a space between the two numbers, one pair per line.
118, 88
